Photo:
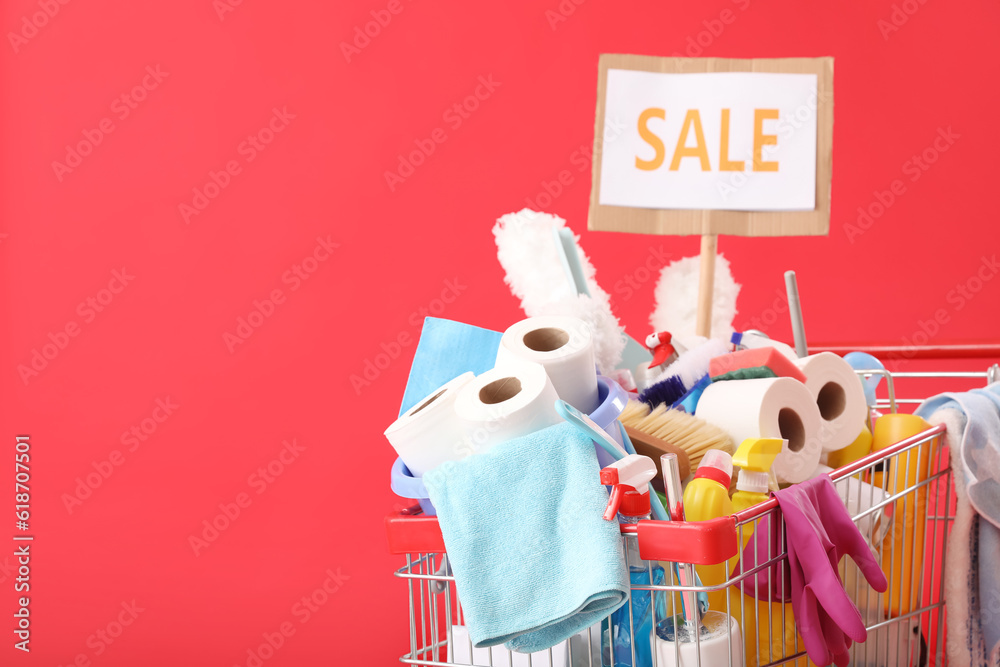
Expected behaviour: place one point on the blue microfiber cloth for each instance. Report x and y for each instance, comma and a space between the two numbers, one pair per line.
534, 561
972, 579
446, 350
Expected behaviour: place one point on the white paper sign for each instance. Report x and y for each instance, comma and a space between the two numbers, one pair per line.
741, 141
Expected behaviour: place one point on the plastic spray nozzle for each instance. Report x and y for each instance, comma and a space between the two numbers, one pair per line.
758, 454
755, 456
629, 479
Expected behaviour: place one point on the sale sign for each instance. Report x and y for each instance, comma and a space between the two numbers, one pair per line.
713, 146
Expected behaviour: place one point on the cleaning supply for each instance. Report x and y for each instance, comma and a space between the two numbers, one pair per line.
766, 357
630, 501
586, 426
753, 339
690, 433
548, 272
972, 579
707, 497
664, 350
903, 548
712, 637
779, 407
514, 570
447, 349
430, 433
860, 448
676, 297
653, 447
862, 361
840, 397
689, 401
795, 314
755, 458
611, 400
819, 532
683, 374
505, 403
564, 347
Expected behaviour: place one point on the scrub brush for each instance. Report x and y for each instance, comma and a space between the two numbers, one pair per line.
679, 377
693, 435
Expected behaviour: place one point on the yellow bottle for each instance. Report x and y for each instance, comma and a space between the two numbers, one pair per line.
861, 447
903, 547
764, 623
707, 497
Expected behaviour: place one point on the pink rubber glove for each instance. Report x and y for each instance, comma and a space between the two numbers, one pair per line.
819, 531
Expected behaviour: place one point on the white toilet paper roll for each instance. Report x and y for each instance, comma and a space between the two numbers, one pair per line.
505, 403
564, 346
768, 408
430, 432
839, 396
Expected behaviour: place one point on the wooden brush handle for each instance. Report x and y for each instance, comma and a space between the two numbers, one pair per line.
653, 447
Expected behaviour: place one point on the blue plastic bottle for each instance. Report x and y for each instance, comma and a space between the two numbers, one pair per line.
629, 479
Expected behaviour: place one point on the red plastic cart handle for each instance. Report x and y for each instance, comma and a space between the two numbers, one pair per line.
701, 543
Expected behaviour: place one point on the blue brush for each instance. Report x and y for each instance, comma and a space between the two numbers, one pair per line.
689, 401
667, 391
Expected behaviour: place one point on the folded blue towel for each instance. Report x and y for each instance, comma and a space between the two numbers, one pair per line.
534, 561
446, 350
972, 580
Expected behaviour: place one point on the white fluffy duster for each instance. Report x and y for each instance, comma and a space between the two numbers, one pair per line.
677, 299
529, 254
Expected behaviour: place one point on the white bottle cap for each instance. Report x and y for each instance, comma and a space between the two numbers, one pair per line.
752, 481
718, 459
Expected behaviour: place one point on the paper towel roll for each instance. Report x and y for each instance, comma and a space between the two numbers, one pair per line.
840, 397
768, 408
505, 403
430, 432
564, 346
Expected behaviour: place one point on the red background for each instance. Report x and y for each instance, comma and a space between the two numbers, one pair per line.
324, 175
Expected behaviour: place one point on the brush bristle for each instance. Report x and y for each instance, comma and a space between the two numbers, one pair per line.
693, 364
693, 435
666, 392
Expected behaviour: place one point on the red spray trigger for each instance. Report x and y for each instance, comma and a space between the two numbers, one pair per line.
629, 481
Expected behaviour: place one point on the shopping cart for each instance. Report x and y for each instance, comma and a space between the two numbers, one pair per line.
901, 499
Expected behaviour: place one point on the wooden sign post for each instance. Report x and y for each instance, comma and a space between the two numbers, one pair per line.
713, 146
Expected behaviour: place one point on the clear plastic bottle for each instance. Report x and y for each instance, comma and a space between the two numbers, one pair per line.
616, 637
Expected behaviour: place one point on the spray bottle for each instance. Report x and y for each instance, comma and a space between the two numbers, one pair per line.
707, 497
773, 639
629, 480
